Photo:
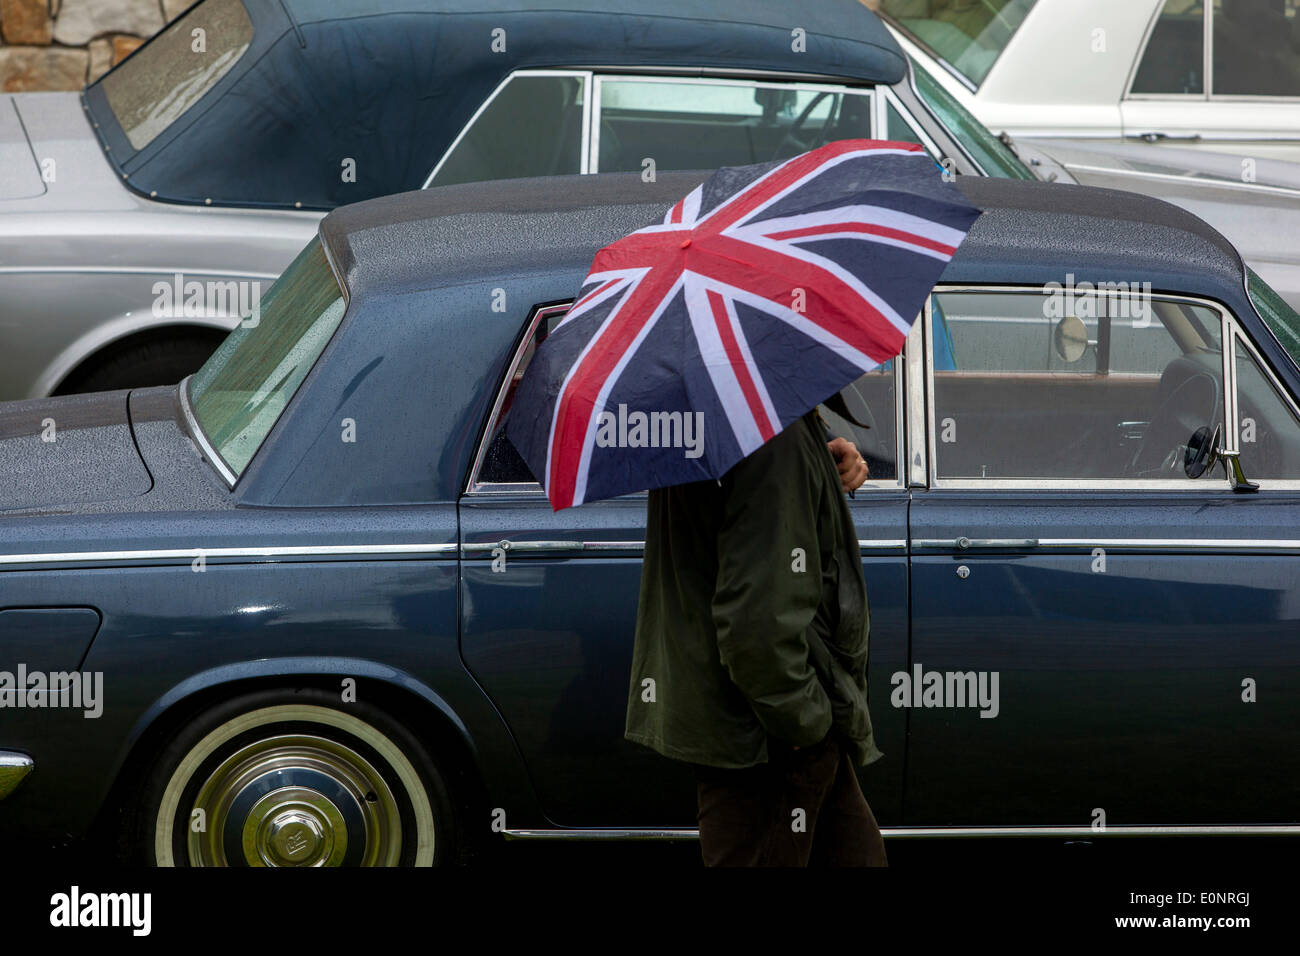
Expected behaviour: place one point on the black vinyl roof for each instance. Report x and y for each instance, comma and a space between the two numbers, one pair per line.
1030, 233
389, 83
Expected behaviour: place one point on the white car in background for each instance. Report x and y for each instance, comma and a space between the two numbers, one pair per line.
1221, 75
1194, 104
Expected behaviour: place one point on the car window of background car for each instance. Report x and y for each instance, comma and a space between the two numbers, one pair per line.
154, 86
701, 125
968, 36
531, 127
241, 390
1174, 60
1256, 48
990, 152
1014, 407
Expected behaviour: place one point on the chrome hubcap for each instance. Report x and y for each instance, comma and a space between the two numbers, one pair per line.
295, 800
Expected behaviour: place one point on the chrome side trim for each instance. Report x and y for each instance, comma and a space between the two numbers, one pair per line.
200, 439
1252, 188
185, 555
487, 547
14, 768
1280, 546
882, 544
602, 834
138, 270
914, 833
534, 547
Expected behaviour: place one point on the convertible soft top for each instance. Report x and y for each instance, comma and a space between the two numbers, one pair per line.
389, 83
1030, 233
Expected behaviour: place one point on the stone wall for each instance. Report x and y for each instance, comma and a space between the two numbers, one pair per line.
65, 44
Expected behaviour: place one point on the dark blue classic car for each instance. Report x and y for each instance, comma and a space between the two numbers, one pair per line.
309, 607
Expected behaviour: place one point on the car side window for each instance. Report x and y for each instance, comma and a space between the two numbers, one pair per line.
1268, 430
501, 462
531, 127
871, 401
1066, 385
1256, 48
703, 124
1174, 60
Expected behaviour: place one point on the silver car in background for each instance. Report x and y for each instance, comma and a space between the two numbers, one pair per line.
141, 219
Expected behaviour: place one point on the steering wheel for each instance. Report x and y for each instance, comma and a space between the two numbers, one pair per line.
791, 136
1196, 402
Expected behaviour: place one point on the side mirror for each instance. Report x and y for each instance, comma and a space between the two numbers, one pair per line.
1202, 452
1205, 449
1070, 339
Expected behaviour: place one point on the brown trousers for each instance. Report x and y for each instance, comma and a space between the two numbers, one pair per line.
802, 808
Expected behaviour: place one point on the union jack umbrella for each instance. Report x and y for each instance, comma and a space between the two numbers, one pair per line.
764, 292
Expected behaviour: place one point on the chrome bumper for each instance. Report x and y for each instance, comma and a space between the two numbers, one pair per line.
13, 768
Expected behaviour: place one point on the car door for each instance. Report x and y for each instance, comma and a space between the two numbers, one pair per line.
548, 615
1091, 629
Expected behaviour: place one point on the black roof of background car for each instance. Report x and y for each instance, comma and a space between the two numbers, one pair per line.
1030, 233
389, 83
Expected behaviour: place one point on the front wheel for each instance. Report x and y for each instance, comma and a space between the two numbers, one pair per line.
294, 778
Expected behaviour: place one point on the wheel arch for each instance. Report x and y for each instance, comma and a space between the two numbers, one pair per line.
97, 344
404, 698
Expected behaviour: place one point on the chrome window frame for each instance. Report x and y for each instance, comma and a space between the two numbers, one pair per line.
1241, 335
951, 134
1230, 330
476, 488
584, 75
473, 486
880, 122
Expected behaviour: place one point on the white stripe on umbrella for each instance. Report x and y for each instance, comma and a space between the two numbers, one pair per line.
803, 325
612, 284
813, 173
925, 229
589, 441
868, 294
747, 429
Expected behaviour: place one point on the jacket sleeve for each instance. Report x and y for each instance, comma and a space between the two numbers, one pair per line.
769, 587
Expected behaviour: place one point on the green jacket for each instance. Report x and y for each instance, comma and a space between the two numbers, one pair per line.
753, 615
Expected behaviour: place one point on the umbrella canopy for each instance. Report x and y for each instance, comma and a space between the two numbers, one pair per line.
762, 293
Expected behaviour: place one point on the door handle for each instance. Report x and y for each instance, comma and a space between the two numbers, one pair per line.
1156, 136
508, 545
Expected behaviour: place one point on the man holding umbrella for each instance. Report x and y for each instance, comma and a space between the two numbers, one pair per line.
760, 295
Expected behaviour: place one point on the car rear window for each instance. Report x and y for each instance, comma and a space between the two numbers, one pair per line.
239, 393
154, 87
